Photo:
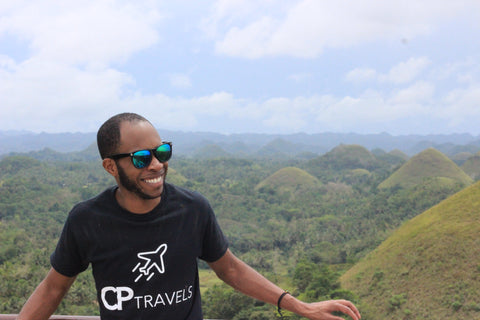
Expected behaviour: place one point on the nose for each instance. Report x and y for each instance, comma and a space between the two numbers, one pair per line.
155, 164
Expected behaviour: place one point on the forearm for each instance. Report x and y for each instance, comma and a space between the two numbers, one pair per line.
248, 281
46, 298
257, 286
245, 279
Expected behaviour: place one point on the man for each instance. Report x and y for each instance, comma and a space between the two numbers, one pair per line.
143, 238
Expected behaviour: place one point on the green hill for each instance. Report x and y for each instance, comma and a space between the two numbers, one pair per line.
278, 148
428, 269
393, 158
398, 153
461, 157
472, 166
289, 180
346, 157
427, 165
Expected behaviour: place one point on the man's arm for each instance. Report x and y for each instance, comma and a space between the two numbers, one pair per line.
245, 279
46, 297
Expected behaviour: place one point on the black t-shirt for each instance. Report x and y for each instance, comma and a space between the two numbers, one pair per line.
144, 265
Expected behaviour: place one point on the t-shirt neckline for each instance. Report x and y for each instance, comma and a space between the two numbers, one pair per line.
155, 212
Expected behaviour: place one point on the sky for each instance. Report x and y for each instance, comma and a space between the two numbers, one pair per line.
242, 66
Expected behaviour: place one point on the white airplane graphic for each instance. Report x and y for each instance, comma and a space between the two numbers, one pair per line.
153, 259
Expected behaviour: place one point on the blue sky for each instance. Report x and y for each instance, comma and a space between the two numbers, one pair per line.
233, 66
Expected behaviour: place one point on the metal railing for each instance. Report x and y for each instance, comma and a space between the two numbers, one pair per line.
60, 317
55, 317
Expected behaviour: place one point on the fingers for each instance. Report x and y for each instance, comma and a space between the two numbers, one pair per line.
348, 308
323, 310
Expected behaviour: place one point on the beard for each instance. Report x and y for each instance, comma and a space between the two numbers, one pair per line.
132, 186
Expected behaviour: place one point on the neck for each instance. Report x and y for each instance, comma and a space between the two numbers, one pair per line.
135, 204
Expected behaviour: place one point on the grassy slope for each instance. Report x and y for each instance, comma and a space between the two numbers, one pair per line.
290, 179
346, 157
472, 166
429, 268
399, 153
430, 163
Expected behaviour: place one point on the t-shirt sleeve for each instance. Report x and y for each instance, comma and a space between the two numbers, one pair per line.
67, 259
215, 243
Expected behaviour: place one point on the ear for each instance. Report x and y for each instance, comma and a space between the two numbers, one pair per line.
110, 166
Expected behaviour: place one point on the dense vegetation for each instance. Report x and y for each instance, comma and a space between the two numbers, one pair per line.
301, 222
429, 268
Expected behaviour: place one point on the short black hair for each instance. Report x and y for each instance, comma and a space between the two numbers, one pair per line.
108, 136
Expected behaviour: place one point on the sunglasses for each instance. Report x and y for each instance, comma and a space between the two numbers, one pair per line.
142, 158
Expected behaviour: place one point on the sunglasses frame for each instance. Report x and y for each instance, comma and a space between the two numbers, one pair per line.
153, 152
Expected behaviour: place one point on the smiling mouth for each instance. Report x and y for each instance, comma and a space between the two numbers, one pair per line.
154, 180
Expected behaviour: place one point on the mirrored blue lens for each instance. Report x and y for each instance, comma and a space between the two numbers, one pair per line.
163, 153
141, 158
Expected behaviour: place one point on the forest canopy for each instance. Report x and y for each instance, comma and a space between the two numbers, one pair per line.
301, 222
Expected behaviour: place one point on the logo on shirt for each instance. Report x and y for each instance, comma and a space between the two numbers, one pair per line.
151, 262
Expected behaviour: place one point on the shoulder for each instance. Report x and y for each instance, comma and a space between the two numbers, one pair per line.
178, 198
175, 193
100, 203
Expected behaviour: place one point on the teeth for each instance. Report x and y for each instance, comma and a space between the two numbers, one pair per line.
156, 180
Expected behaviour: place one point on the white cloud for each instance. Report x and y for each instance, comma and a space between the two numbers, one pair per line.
76, 67
417, 94
405, 72
371, 111
464, 102
86, 32
283, 113
464, 71
305, 28
68, 72
234, 13
461, 107
183, 114
37, 91
402, 73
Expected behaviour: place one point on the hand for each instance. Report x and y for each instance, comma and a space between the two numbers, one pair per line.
323, 310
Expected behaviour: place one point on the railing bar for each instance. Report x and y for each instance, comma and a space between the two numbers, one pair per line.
54, 317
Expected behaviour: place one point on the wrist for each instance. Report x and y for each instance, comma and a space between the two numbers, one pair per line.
290, 303
279, 301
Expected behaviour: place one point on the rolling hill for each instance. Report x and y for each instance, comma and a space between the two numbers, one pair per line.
289, 180
399, 153
472, 166
428, 269
426, 165
347, 157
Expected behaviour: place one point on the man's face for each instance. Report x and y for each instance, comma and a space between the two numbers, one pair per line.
146, 183
132, 186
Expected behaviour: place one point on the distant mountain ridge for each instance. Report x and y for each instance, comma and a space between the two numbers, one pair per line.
187, 143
